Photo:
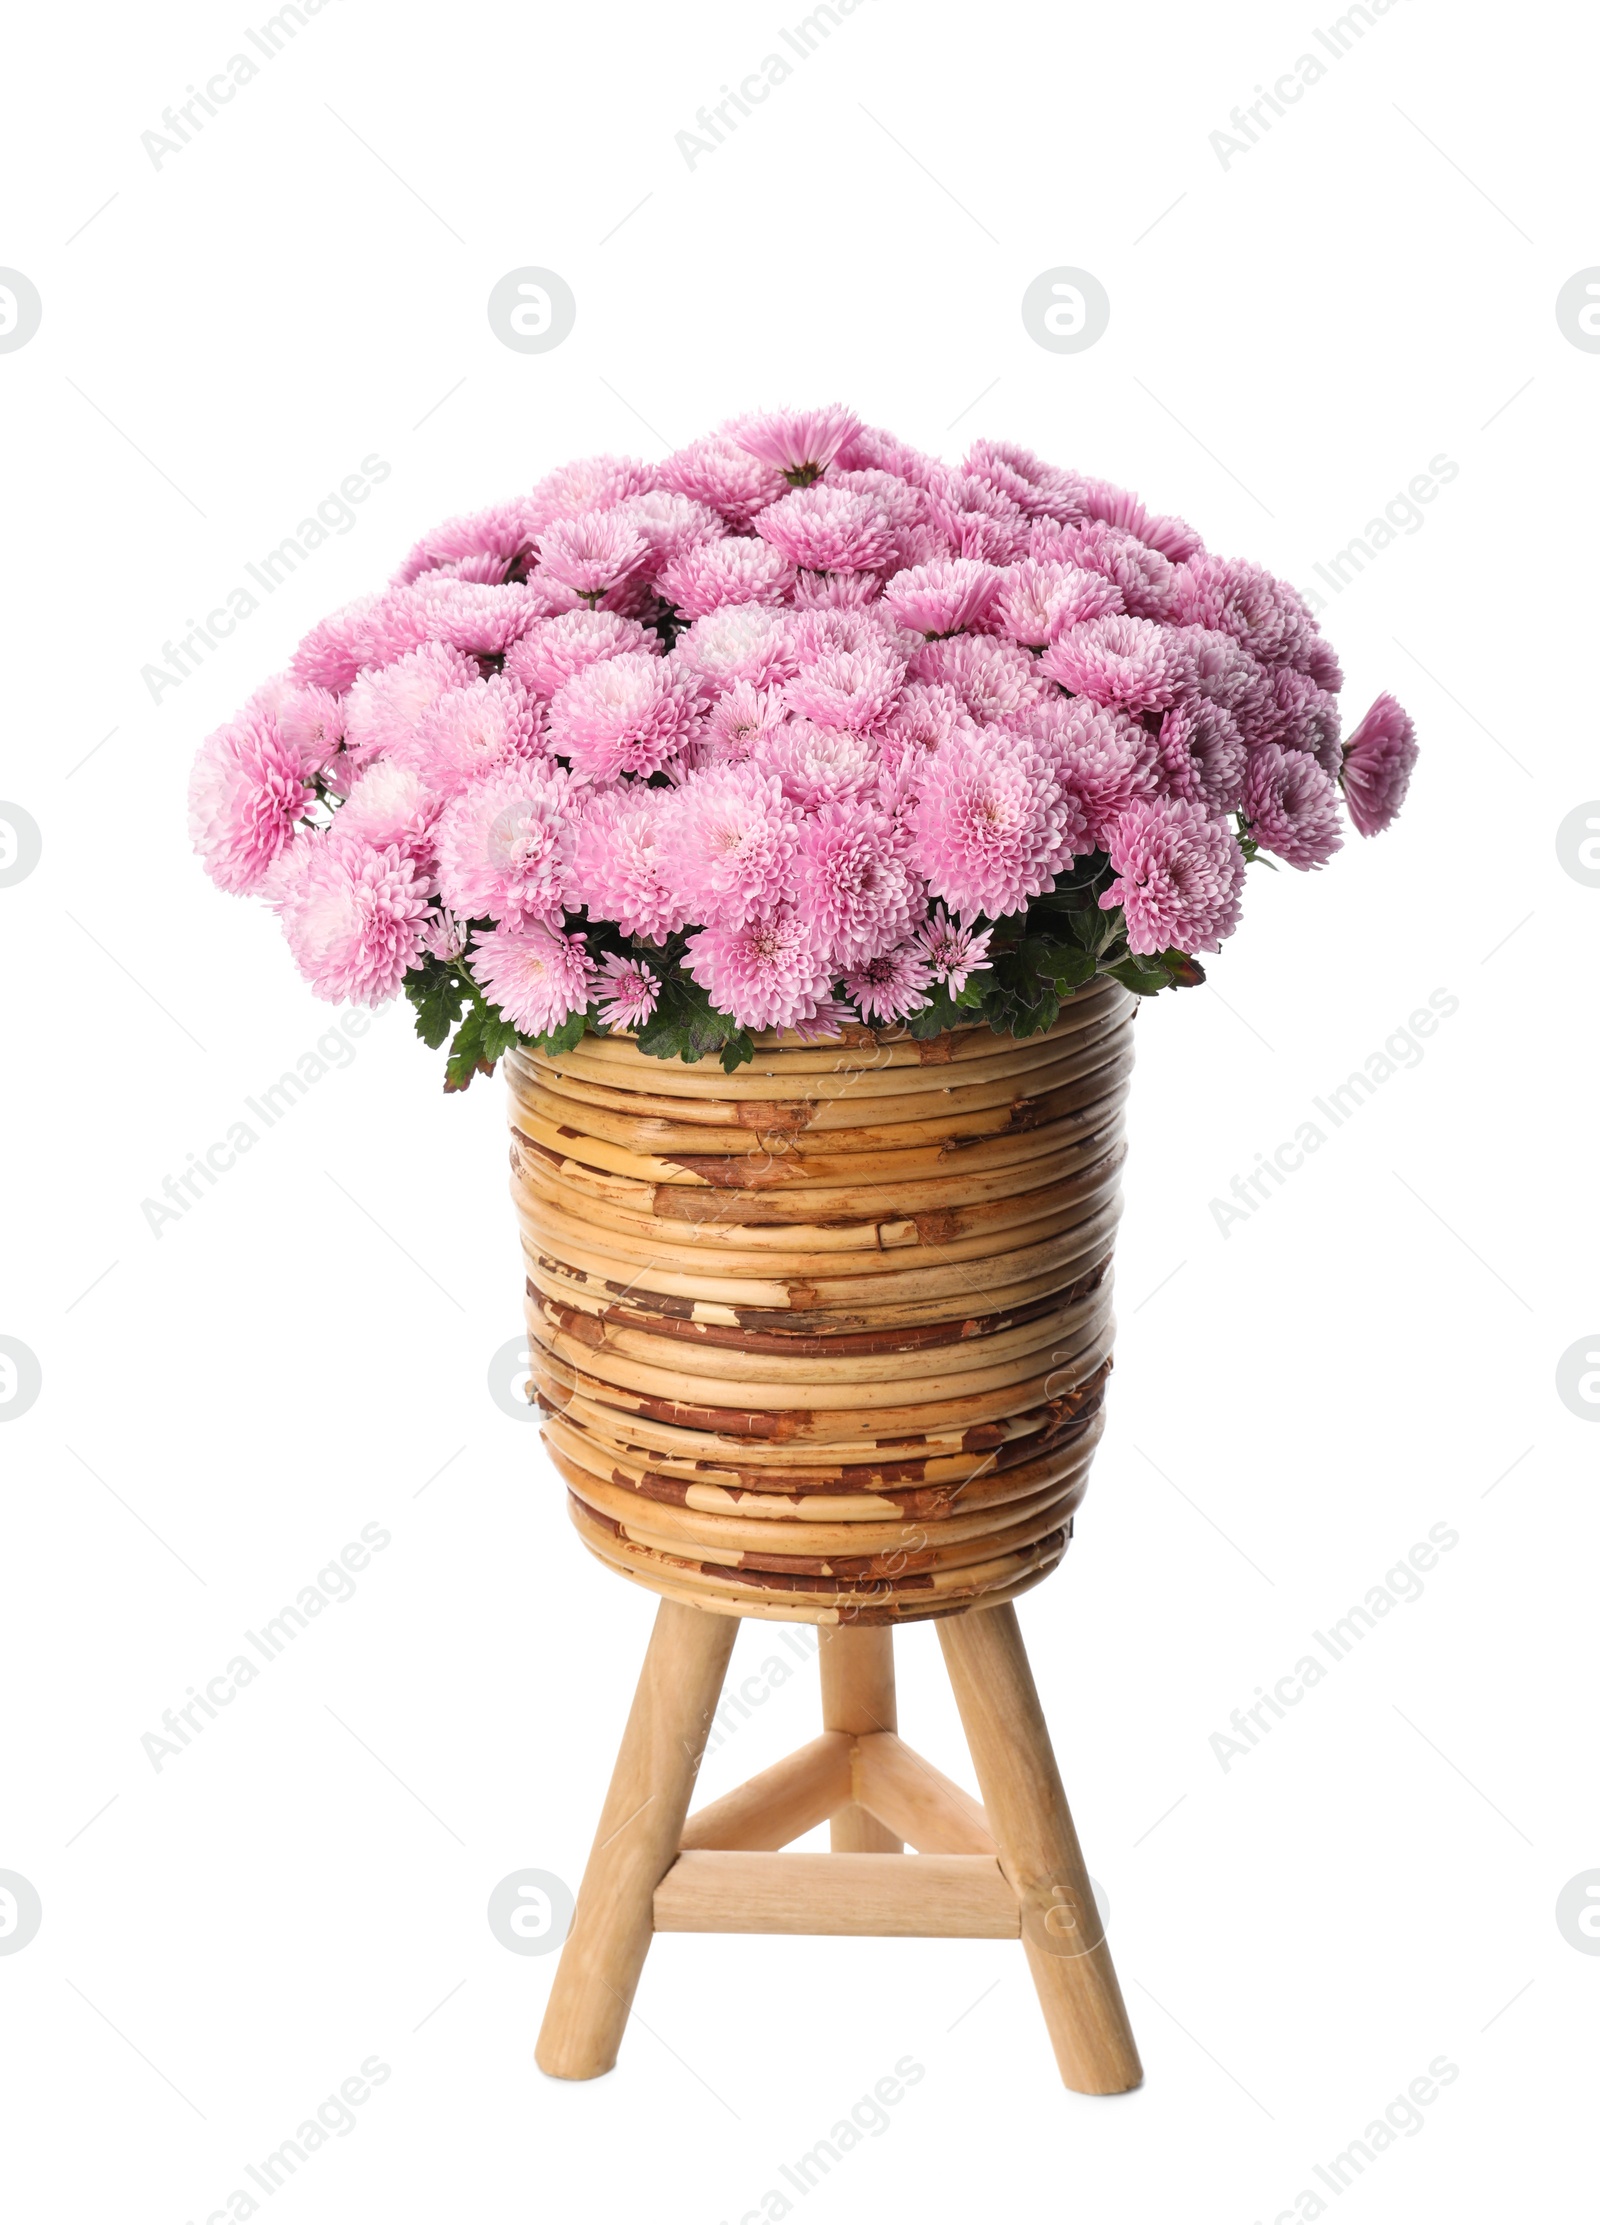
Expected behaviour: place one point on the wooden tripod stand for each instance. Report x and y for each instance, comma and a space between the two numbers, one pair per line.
1009, 1869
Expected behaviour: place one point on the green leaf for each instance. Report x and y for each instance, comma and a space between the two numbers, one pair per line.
1137, 974
436, 993
686, 1024
1182, 971
564, 1038
738, 1051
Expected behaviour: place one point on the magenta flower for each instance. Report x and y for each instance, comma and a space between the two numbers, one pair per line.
851, 689
1202, 755
1263, 614
891, 985
553, 649
853, 882
537, 977
628, 714
729, 844
628, 992
1291, 806
801, 443
385, 707
615, 865
1131, 662
353, 916
765, 974
247, 794
1179, 876
992, 827
500, 846
1039, 599
953, 952
954, 596
1378, 762
473, 731
713, 573
828, 529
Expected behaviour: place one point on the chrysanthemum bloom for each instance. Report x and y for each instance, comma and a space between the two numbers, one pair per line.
992, 825
1149, 584
337, 647
1038, 489
310, 720
766, 974
891, 985
1202, 755
502, 533
615, 866
827, 529
853, 882
1038, 599
727, 478
953, 952
444, 936
995, 679
500, 846
1291, 806
353, 917
1222, 672
484, 621
1179, 877
473, 731
739, 720
628, 993
247, 793
1295, 713
385, 707
536, 977
629, 714
828, 1021
976, 520
816, 765
1262, 613
853, 690
801, 443
1103, 760
712, 573
669, 524
943, 598
389, 804
926, 714
593, 483
1131, 662
870, 448
1378, 760
591, 554
729, 844
1172, 537
741, 641
553, 649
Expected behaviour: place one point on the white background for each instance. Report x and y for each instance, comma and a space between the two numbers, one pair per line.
1292, 338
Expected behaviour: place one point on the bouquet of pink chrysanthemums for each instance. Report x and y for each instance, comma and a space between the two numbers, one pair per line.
796, 730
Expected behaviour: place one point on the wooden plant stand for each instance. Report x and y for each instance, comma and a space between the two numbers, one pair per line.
1009, 1869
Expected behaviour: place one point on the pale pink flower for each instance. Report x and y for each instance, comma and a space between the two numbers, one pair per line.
1130, 662
1265, 614
500, 846
628, 993
827, 529
1038, 490
1179, 877
1172, 537
827, 1022
553, 649
850, 689
594, 483
995, 679
765, 974
444, 936
310, 720
714, 573
388, 804
729, 844
337, 647
801, 443
816, 765
628, 714
1223, 672
500, 534
741, 641
824, 632
853, 882
615, 866
536, 977
1297, 714
1103, 760
669, 524
1149, 585
472, 731
482, 620
1378, 762
992, 827
1202, 755
870, 448
386, 706
727, 478
943, 598
593, 553
1291, 806
836, 591
353, 917
247, 794
739, 720
953, 952
977, 520
1039, 599
890, 985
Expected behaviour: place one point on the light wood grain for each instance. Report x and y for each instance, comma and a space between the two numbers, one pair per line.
780, 1803
925, 1807
923, 1896
858, 1695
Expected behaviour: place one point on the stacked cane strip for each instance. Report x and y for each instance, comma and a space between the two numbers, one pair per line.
825, 1340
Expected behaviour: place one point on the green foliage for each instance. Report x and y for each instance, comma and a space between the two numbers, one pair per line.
687, 1025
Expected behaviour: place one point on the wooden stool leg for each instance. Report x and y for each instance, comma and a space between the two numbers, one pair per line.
1028, 1814
637, 1842
857, 1666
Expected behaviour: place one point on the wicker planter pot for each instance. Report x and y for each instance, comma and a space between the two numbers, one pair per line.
826, 1340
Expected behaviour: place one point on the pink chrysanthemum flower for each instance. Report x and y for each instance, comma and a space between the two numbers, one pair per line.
826, 1023
483, 621
353, 917
801, 443
870, 448
1039, 599
1038, 490
727, 478
836, 591
817, 765
992, 827
499, 534
389, 805
1378, 762
1223, 672
827, 529
853, 883
1103, 760
1131, 662
669, 524
627, 994
337, 647
852, 690
445, 937
592, 554
310, 720
593, 483
1202, 755
740, 720
944, 598
473, 731
615, 865
247, 794
1179, 876
1264, 614
729, 844
1171, 537
629, 714
765, 974
1291, 806
552, 650
714, 573
385, 707
1295, 713
995, 679
500, 846
953, 952
741, 641
1149, 585
537, 977
891, 985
